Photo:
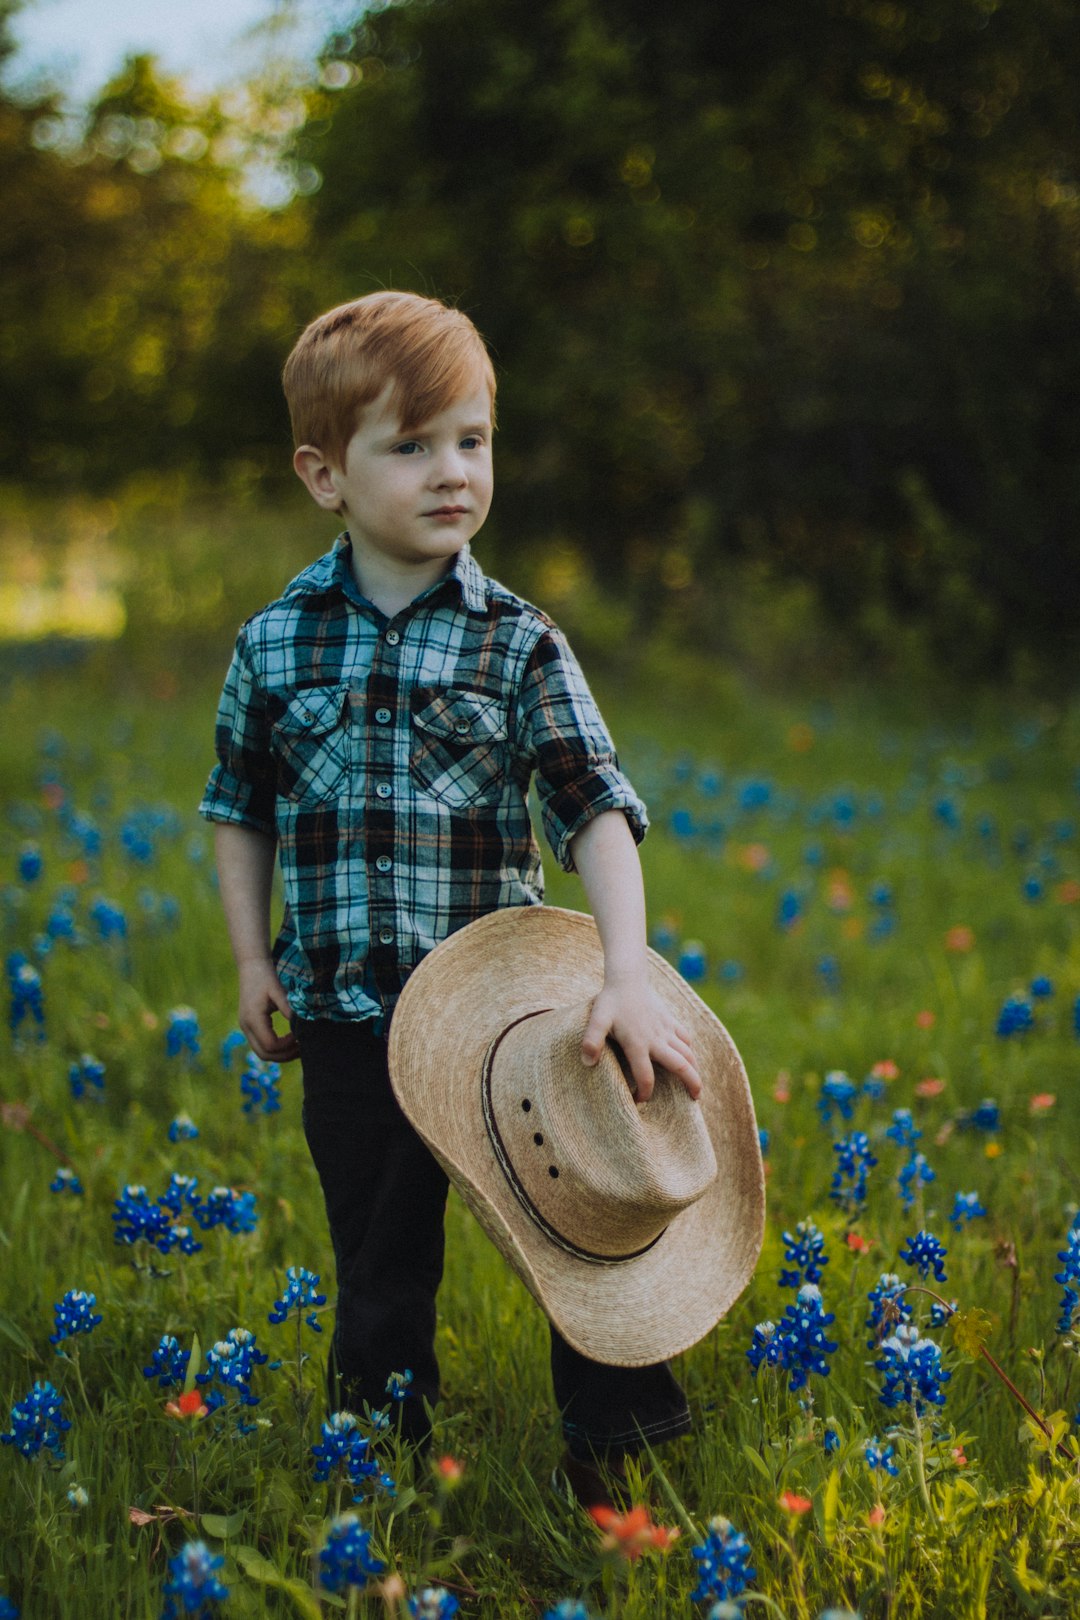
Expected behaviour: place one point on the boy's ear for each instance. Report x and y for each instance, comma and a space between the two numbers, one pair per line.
317, 476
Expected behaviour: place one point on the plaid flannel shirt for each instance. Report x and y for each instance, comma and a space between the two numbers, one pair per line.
391, 759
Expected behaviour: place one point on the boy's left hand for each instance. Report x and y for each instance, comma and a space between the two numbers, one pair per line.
631, 1013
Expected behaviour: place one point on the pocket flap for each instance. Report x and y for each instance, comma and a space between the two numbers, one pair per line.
461, 716
314, 711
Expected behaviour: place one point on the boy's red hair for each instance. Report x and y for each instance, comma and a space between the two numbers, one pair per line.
431, 353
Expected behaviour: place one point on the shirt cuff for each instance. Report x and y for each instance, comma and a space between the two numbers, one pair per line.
572, 808
230, 799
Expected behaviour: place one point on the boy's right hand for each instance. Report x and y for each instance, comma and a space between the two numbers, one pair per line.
261, 994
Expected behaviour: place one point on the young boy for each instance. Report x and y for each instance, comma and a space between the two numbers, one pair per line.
378, 730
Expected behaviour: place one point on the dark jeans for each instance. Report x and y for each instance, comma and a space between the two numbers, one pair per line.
385, 1197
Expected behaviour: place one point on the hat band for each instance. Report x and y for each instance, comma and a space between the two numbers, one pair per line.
506, 1165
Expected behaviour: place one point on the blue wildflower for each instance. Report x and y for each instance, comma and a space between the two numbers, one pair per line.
838, 1089
789, 909
1032, 888
730, 971
693, 963
345, 1559
180, 1191
183, 1129
984, 1118
764, 1346
60, 924
903, 1130
917, 1169
344, 1447
763, 1137
966, 1207
74, 1314
397, 1385
182, 1032
87, 1071
301, 1294
37, 1423
137, 1218
78, 1497
798, 1344
568, 1609
30, 863
887, 1307
805, 1250
940, 1314
830, 1439
66, 1181
433, 1603
234, 1039
1076, 1016
260, 1086
1017, 1015
8, 1611
912, 1369
1041, 987
925, 1251
168, 1363
723, 1561
108, 919
231, 1361
27, 996
855, 1161
878, 1456
1069, 1277
193, 1588
828, 971
226, 1207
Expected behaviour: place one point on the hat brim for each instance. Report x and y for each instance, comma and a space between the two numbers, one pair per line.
455, 1003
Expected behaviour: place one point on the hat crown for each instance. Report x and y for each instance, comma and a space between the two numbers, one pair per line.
600, 1172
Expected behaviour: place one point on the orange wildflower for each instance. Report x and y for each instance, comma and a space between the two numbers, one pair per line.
930, 1087
993, 1150
961, 938
856, 1241
631, 1533
885, 1070
1041, 1101
753, 857
791, 1503
450, 1469
876, 1514
1067, 893
925, 1019
800, 738
782, 1088
958, 1457
190, 1406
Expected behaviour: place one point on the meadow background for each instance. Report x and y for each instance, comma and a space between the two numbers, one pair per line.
784, 306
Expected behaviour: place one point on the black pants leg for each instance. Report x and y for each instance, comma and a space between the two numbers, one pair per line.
385, 1199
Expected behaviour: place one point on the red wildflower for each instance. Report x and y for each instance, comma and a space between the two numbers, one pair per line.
856, 1241
791, 1503
450, 1469
631, 1533
190, 1405
886, 1070
1041, 1101
930, 1087
876, 1514
925, 1019
961, 938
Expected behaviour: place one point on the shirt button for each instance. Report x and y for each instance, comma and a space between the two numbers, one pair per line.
383, 790
386, 937
383, 864
383, 716
462, 728
392, 638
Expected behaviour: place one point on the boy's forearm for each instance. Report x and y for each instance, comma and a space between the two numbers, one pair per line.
245, 866
607, 861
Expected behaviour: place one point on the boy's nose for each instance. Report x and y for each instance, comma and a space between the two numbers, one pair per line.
449, 472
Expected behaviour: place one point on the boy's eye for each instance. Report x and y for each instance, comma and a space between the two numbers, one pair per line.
406, 449
472, 441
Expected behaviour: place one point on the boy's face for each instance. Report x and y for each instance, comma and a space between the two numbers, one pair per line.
413, 500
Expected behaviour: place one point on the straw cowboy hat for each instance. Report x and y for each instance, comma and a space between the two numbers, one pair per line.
635, 1228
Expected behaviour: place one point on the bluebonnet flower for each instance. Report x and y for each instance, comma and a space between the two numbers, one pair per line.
182, 1032
344, 1447
568, 1609
193, 1588
169, 1363
397, 1385
1041, 987
27, 996
138, 1218
433, 1603
837, 1089
730, 971
1016, 1016
882, 926
87, 1071
723, 1561
66, 1181
912, 1369
183, 1129
830, 1439
966, 1207
984, 1118
1032, 888
903, 1130
78, 1497
918, 1169
805, 1250
924, 1251
1069, 1277
60, 924
947, 811
226, 1207
30, 863
1076, 1016
108, 919
878, 1456
940, 1314
74, 1314
8, 1611
764, 1346
828, 971
345, 1559
260, 1086
887, 1307
180, 1191
763, 1140
38, 1422
855, 1161
663, 938
789, 909
693, 963
234, 1039
301, 1294
232, 1361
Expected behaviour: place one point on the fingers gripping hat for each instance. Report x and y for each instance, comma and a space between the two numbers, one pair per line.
634, 1227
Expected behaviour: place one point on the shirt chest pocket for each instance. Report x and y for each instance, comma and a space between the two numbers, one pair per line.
458, 746
310, 740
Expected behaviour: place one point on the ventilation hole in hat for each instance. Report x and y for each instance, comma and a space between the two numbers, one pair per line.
538, 1138
525, 1105
553, 1172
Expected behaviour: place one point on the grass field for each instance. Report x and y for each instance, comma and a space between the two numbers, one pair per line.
857, 885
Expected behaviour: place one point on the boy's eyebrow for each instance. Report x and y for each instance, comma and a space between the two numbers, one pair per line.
419, 432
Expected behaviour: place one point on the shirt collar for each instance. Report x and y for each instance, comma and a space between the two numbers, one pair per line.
334, 570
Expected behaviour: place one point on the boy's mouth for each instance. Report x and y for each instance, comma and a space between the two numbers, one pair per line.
447, 511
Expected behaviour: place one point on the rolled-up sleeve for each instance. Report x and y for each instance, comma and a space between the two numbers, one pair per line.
241, 788
559, 733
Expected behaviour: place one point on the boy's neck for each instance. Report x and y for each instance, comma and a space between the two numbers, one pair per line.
391, 588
